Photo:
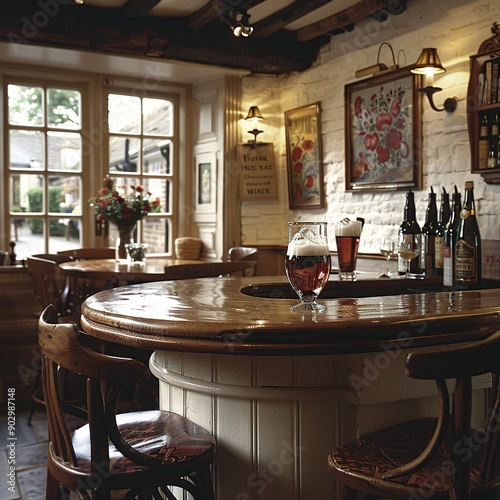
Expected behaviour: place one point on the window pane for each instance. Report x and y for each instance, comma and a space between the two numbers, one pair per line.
123, 154
25, 105
63, 108
155, 232
26, 193
64, 234
28, 234
65, 195
26, 149
64, 151
157, 116
124, 114
157, 156
159, 189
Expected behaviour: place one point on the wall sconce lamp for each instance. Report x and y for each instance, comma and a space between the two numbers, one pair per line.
254, 116
429, 64
378, 68
239, 22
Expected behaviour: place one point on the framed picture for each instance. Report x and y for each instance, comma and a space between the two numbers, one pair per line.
206, 173
383, 133
304, 157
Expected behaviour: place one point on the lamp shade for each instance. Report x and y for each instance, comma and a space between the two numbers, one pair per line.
254, 114
428, 63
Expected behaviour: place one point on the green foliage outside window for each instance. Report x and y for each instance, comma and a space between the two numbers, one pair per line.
35, 197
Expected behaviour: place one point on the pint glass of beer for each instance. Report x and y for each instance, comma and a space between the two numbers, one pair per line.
307, 262
347, 234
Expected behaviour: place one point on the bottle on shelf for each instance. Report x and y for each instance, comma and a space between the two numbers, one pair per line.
429, 236
497, 144
468, 257
449, 239
484, 142
410, 229
443, 218
493, 146
445, 208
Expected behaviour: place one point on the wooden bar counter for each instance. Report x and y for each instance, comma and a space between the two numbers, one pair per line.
279, 389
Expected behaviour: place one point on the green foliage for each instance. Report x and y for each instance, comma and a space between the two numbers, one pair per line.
35, 197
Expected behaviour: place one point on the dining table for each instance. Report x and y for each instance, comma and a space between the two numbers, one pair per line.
279, 388
153, 269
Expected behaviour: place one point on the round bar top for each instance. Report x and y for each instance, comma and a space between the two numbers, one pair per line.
232, 316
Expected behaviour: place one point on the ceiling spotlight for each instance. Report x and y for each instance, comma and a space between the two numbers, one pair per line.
239, 21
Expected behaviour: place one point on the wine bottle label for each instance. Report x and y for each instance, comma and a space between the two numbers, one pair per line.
465, 261
447, 267
438, 252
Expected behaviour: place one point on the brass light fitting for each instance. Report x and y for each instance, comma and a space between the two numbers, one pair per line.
254, 115
378, 68
429, 64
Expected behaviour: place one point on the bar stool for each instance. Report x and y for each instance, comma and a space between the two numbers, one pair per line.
432, 458
144, 452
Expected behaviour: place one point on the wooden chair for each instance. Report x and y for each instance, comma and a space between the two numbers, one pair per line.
143, 452
49, 285
245, 254
432, 458
49, 288
78, 289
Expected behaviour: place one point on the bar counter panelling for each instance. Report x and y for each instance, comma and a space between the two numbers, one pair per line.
279, 389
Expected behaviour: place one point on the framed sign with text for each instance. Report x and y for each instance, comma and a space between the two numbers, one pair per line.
257, 172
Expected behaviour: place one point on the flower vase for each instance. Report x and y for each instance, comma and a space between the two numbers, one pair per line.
125, 236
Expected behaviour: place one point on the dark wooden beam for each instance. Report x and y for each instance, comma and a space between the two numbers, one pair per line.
200, 38
351, 15
214, 11
138, 8
281, 18
109, 31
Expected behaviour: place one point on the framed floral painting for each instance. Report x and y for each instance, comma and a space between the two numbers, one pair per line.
304, 157
383, 132
206, 172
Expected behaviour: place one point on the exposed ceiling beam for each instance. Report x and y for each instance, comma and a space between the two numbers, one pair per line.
353, 14
213, 12
139, 8
285, 16
199, 38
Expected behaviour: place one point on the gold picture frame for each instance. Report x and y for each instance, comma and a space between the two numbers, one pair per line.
304, 158
383, 132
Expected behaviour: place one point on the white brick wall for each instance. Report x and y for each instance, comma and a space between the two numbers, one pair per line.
456, 28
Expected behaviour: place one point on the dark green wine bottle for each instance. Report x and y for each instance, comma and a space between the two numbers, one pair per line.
410, 230
449, 240
468, 258
443, 218
429, 236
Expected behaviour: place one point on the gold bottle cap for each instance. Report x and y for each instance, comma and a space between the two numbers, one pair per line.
469, 185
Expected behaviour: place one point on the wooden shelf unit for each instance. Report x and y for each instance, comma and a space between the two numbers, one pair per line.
489, 50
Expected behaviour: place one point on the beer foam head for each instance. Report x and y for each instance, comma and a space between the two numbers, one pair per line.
347, 227
307, 243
